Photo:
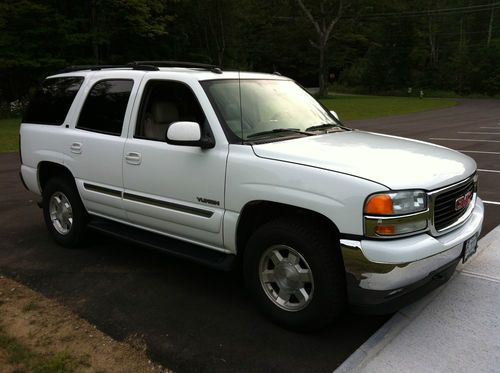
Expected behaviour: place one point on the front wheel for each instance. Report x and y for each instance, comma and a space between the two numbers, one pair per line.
294, 271
63, 211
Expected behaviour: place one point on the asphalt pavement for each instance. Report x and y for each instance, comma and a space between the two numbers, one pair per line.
197, 319
192, 318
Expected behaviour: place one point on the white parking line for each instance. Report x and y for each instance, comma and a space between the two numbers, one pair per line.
483, 170
492, 128
480, 133
492, 203
478, 152
446, 139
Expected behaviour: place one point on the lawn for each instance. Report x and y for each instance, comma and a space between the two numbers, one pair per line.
347, 107
9, 135
363, 107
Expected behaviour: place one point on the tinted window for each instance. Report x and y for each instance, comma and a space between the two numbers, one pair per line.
105, 106
52, 101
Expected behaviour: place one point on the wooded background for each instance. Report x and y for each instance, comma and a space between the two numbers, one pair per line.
367, 45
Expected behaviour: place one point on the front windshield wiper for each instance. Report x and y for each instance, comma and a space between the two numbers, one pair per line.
279, 130
323, 126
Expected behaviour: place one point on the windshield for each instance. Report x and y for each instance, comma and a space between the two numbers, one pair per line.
269, 108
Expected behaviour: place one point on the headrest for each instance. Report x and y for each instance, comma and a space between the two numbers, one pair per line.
164, 112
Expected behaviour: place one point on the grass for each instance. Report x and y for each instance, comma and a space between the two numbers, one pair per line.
438, 93
364, 107
9, 135
19, 354
30, 306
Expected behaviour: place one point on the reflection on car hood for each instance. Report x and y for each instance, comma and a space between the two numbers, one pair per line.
395, 162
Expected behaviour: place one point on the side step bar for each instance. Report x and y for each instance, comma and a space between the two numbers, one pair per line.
162, 243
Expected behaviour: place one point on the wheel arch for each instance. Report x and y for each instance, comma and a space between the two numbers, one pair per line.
47, 170
256, 213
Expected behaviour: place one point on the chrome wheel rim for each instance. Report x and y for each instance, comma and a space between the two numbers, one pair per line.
286, 278
61, 213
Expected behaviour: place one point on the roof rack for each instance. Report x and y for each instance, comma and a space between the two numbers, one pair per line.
193, 65
145, 66
70, 69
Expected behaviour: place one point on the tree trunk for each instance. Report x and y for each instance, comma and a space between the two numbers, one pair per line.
93, 31
433, 42
461, 43
324, 28
490, 27
222, 44
323, 86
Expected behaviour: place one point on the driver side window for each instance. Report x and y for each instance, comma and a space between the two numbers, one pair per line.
163, 103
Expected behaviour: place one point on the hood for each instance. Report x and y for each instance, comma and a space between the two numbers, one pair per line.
395, 162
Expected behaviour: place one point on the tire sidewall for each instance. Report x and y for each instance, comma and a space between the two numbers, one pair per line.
321, 309
66, 187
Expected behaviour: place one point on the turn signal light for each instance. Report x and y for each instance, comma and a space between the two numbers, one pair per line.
385, 230
379, 204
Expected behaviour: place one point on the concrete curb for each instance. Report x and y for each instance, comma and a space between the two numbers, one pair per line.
368, 350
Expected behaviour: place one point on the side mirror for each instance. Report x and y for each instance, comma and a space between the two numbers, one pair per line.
334, 114
187, 134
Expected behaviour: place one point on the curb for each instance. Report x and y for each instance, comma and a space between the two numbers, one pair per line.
382, 337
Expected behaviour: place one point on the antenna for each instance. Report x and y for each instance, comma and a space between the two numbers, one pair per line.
241, 107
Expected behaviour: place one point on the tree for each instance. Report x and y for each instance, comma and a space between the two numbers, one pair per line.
113, 21
324, 23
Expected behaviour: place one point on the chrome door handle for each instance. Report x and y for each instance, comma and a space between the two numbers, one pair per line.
76, 147
133, 158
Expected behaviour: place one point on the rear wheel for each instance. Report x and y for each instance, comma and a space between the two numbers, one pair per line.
294, 271
64, 213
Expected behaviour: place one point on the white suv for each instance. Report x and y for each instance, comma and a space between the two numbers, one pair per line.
249, 168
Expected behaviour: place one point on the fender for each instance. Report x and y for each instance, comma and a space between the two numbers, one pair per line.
330, 194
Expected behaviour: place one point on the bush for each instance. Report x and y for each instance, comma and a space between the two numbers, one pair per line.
13, 109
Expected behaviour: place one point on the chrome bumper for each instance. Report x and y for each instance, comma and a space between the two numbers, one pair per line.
377, 272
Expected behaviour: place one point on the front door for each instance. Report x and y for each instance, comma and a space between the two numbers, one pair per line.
171, 189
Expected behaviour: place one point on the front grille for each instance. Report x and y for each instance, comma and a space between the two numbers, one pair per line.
444, 205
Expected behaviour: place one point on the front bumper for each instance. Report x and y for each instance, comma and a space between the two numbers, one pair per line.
383, 276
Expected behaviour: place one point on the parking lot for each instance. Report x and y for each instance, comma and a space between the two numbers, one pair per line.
196, 319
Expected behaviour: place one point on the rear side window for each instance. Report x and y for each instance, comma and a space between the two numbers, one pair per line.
52, 101
105, 106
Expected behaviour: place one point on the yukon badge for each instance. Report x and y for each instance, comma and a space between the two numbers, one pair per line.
463, 201
209, 201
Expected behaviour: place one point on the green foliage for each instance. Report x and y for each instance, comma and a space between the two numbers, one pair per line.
16, 352
444, 51
19, 354
30, 306
363, 107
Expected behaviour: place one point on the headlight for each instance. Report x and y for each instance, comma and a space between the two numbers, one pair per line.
397, 203
397, 213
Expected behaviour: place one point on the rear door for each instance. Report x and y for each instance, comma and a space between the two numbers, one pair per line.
95, 142
44, 123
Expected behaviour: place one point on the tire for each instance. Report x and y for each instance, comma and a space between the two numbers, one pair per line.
63, 211
302, 285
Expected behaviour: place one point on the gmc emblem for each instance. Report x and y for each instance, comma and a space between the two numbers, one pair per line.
463, 201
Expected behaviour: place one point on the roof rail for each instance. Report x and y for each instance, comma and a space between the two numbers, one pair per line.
70, 69
144, 65
194, 65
